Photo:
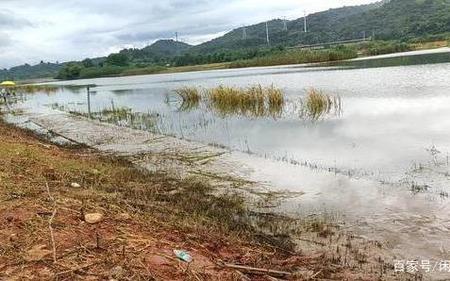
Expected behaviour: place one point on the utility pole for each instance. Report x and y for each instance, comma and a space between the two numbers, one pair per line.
364, 35
305, 23
267, 34
176, 36
244, 33
89, 102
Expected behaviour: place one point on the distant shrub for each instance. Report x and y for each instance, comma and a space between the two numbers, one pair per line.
105, 71
70, 71
117, 60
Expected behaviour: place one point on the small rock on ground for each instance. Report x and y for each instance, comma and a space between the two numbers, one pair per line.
93, 218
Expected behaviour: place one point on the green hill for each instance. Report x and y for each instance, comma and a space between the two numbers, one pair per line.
158, 52
395, 19
26, 71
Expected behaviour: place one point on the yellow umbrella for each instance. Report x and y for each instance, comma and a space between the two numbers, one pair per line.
8, 84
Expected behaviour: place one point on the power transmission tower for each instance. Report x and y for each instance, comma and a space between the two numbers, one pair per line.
285, 24
305, 24
267, 34
244, 33
177, 51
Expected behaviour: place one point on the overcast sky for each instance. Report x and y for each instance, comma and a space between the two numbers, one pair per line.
52, 30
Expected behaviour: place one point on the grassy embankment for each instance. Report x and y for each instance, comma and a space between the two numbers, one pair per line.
114, 71
373, 48
48, 194
298, 57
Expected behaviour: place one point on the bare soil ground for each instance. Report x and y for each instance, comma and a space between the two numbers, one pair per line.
48, 194
145, 217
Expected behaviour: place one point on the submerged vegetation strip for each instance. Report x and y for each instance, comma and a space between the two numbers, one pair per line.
122, 116
33, 88
44, 88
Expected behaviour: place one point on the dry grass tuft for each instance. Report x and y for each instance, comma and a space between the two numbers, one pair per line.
189, 94
191, 97
275, 99
317, 104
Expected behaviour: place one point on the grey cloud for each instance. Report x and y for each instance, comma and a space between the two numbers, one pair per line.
9, 20
5, 40
141, 33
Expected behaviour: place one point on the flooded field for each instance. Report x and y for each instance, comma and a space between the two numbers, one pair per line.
390, 121
380, 162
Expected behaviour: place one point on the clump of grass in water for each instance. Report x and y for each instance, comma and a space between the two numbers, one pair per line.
318, 104
191, 97
229, 100
255, 101
275, 98
119, 113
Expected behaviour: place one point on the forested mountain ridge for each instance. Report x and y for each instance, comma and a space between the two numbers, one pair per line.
26, 71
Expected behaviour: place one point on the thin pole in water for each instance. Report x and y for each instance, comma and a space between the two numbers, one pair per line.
89, 102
